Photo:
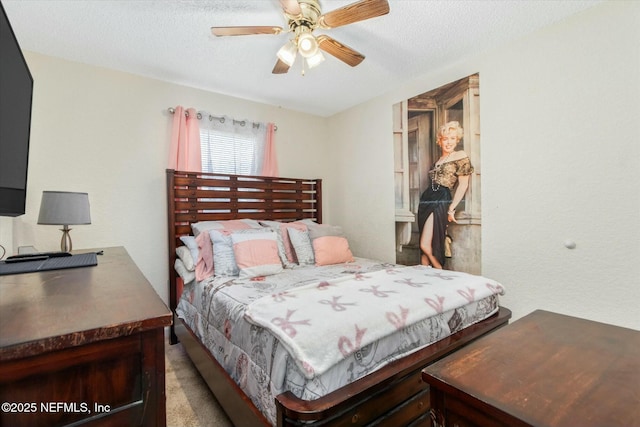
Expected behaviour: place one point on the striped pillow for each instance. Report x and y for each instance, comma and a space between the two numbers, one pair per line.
256, 254
302, 246
285, 248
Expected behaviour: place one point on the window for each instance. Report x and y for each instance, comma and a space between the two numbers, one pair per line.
231, 147
224, 152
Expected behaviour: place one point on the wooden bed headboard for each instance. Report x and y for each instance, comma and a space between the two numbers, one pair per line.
198, 196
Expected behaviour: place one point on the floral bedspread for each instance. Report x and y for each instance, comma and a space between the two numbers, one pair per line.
324, 322
262, 365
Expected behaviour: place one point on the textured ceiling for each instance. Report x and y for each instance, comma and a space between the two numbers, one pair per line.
171, 41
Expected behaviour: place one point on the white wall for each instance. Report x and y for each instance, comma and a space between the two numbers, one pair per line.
560, 117
560, 138
107, 133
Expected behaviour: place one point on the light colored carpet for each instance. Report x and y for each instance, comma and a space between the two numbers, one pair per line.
190, 403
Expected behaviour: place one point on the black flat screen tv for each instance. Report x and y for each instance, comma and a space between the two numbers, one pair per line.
16, 89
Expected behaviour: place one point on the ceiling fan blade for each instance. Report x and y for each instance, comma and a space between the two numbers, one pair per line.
244, 31
291, 7
354, 12
339, 50
280, 68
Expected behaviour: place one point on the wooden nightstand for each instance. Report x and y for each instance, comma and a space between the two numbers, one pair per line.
545, 369
82, 345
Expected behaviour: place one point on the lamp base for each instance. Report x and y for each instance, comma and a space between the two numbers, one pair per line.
65, 243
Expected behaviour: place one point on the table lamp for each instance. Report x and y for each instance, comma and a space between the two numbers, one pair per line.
64, 208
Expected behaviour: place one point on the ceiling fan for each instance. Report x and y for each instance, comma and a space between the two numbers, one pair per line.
303, 17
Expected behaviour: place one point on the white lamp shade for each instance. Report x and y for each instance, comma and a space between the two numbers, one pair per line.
307, 45
287, 53
315, 60
64, 208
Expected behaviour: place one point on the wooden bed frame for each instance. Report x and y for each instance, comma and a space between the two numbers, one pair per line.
394, 395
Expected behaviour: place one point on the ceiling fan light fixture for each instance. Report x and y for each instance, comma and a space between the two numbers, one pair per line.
315, 60
303, 17
287, 53
307, 45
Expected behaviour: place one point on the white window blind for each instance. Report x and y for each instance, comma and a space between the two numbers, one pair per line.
223, 152
231, 147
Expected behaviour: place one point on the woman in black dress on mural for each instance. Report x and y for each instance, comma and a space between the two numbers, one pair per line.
439, 201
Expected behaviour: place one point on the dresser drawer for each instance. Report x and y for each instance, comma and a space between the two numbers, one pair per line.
110, 382
460, 414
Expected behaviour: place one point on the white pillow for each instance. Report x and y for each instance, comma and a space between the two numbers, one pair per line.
190, 242
184, 254
186, 275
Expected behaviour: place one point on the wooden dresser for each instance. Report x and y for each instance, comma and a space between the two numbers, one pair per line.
545, 369
82, 346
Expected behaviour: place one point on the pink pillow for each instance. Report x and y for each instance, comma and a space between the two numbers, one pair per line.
239, 224
232, 224
256, 254
330, 250
204, 263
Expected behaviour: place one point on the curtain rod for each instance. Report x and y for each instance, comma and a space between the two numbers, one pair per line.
221, 119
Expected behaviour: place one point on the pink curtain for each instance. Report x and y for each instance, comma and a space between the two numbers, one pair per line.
270, 162
184, 154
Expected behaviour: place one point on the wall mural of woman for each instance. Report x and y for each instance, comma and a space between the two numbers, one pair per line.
437, 146
449, 182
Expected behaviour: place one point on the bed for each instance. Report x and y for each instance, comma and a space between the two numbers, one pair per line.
287, 383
